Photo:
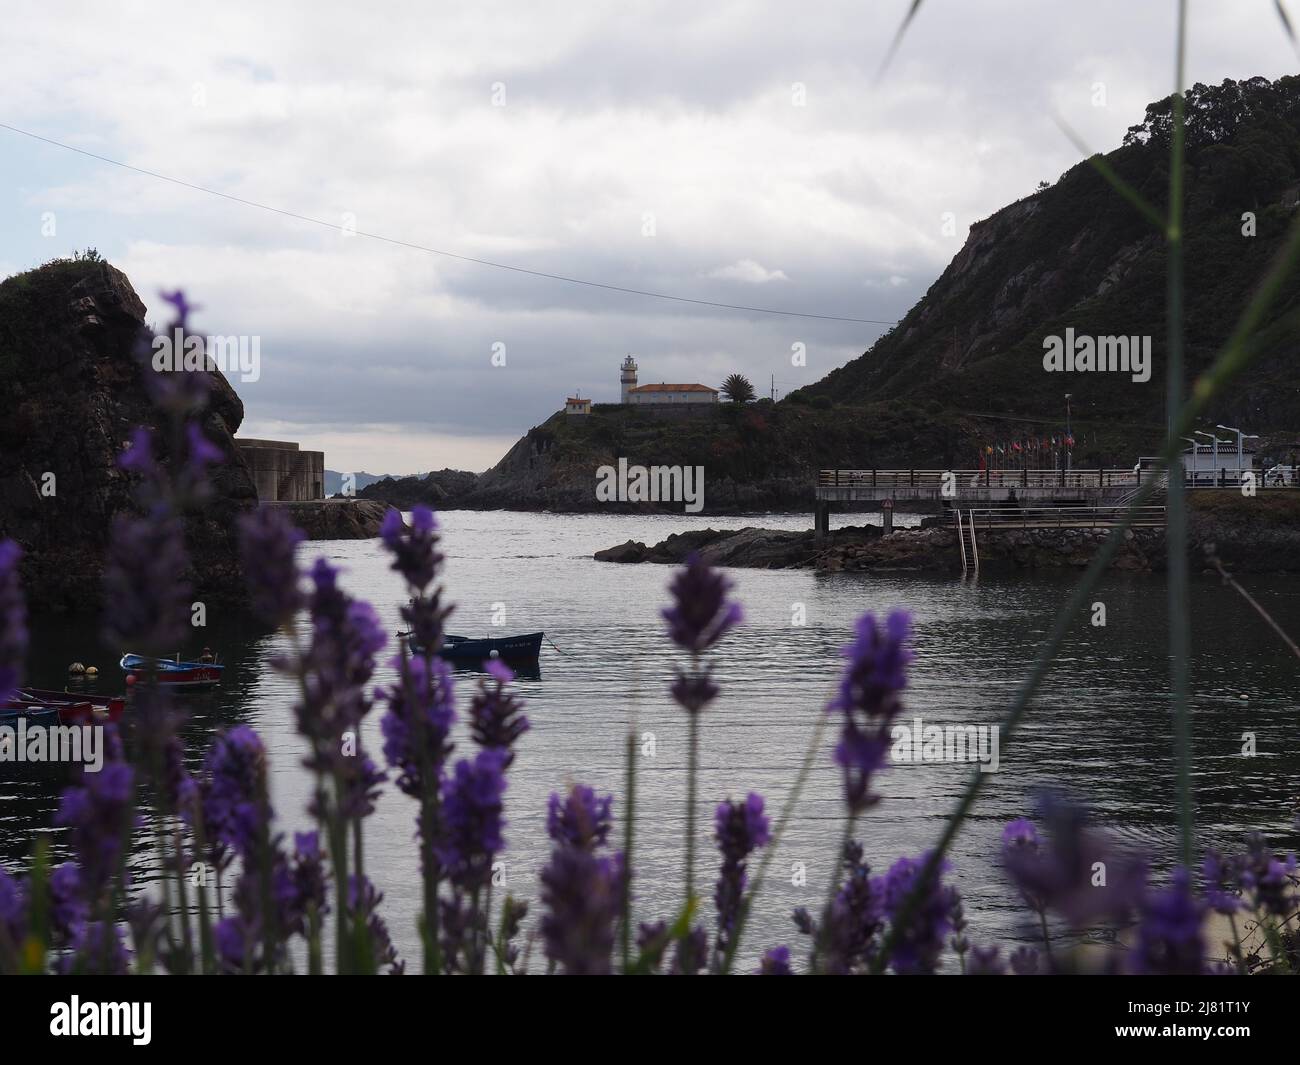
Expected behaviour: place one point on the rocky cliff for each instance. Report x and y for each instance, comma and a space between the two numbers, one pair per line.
1076, 254
73, 393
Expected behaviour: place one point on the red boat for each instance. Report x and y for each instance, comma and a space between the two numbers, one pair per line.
171, 673
73, 708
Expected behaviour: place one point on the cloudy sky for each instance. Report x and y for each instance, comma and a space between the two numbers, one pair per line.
741, 153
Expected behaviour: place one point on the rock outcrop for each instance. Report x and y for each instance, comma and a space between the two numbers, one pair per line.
337, 519
73, 393
441, 489
1249, 535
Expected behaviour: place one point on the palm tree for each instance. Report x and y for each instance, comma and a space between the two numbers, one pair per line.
738, 389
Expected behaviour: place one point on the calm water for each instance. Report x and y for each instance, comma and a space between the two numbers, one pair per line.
1100, 728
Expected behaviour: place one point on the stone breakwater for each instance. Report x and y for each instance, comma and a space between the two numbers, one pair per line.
1243, 549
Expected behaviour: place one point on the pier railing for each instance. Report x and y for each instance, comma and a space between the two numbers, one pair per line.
1076, 478
1062, 517
1094, 478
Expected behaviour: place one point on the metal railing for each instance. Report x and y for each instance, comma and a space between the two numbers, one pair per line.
1094, 478
1063, 517
1076, 478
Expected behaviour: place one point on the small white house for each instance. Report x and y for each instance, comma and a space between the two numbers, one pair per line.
577, 405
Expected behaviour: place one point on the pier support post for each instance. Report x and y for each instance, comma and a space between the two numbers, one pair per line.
821, 521
887, 516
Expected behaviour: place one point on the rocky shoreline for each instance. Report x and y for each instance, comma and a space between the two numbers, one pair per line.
1249, 536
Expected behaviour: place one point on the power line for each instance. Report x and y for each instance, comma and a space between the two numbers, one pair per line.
438, 251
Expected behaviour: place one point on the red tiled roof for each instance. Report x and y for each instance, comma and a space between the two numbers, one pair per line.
672, 388
576, 399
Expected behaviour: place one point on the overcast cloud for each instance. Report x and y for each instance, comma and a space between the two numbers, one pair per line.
776, 172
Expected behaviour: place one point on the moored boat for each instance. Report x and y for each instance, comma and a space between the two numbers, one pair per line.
12, 710
76, 708
174, 673
463, 650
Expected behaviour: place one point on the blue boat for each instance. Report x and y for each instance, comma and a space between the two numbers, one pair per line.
462, 650
175, 674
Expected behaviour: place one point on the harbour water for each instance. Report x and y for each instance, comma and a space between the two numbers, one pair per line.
1100, 729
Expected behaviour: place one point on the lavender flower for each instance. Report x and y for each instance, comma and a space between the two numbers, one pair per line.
418, 723
1268, 879
177, 387
13, 620
97, 947
582, 897
919, 941
471, 819
346, 635
581, 819
854, 920
694, 691
1024, 961
985, 961
97, 814
301, 885
145, 580
740, 829
268, 542
776, 962
363, 908
1169, 939
236, 810
1022, 853
496, 716
868, 701
68, 907
13, 922
1060, 876
1222, 882
701, 613
691, 953
414, 547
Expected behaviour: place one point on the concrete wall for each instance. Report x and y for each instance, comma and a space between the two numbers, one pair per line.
665, 398
282, 472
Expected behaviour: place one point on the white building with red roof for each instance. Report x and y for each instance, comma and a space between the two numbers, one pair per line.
662, 392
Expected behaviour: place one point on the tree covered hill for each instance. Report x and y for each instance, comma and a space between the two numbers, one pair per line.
1077, 254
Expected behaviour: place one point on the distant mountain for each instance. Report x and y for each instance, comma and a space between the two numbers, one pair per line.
334, 481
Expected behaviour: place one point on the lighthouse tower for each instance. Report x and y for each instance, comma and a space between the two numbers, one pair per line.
628, 377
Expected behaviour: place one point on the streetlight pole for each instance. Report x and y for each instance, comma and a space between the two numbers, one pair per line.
1214, 437
1196, 459
1069, 450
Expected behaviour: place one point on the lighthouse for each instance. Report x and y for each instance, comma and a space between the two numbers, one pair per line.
628, 378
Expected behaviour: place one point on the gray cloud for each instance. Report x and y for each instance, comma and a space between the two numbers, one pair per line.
612, 113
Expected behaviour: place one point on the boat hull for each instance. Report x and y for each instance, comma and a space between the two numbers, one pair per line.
75, 708
509, 649
180, 676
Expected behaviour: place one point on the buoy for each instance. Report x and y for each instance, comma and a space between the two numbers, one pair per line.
76, 667
92, 671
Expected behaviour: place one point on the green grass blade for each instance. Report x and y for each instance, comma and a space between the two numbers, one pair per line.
898, 38
1176, 503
